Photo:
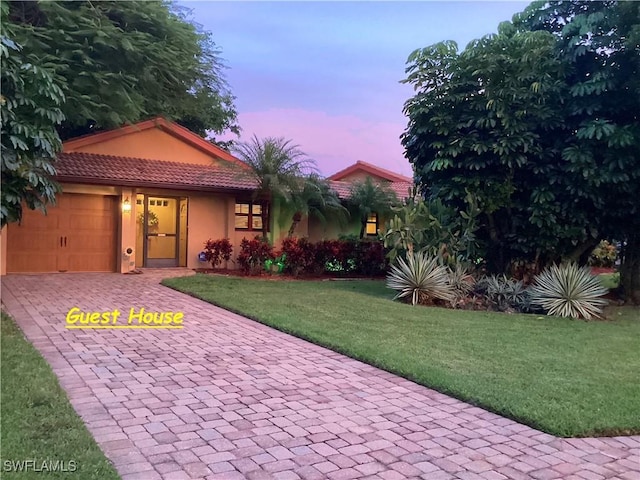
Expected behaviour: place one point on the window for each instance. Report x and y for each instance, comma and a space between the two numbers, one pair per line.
248, 216
372, 224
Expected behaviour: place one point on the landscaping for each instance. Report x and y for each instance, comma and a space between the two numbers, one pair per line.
565, 377
38, 423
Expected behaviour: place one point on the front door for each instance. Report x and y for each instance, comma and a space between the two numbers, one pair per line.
161, 231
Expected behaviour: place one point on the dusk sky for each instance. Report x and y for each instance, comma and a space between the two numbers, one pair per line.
326, 74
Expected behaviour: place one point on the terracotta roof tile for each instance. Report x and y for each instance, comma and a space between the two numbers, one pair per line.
343, 189
112, 170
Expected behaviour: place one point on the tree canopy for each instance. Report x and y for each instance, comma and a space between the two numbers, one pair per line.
122, 62
540, 123
30, 112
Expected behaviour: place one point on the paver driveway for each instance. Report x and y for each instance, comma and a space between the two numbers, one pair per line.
229, 398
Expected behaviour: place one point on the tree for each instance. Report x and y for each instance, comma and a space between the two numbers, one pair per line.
277, 166
122, 62
368, 197
598, 42
315, 199
29, 112
540, 123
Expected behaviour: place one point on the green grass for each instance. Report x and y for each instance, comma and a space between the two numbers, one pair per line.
38, 422
565, 377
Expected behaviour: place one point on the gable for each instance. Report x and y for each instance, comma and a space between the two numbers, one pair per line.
153, 143
361, 176
156, 139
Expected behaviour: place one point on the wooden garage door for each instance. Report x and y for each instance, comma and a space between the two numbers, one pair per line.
77, 235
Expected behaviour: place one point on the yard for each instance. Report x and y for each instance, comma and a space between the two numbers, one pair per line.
565, 377
38, 423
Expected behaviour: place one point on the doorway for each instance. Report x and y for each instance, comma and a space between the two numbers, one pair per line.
161, 231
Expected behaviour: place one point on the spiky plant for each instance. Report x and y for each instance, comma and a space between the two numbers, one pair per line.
420, 277
461, 280
568, 291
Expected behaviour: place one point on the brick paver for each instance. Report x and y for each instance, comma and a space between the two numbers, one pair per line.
228, 398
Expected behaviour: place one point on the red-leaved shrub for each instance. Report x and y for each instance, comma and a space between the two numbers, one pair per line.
215, 251
253, 254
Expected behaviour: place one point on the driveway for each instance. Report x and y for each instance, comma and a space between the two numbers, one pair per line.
228, 398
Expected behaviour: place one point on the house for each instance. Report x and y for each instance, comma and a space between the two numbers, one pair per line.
341, 182
150, 195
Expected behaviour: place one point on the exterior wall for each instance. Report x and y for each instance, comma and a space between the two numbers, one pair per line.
3, 251
360, 176
153, 143
208, 218
331, 230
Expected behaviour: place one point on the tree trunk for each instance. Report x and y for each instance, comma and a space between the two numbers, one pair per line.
295, 220
265, 220
363, 228
581, 251
630, 269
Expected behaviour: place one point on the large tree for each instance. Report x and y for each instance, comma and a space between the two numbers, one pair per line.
540, 123
122, 62
30, 112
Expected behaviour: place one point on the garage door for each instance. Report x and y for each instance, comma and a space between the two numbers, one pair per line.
77, 235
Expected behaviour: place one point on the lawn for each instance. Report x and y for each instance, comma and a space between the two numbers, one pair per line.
565, 377
38, 422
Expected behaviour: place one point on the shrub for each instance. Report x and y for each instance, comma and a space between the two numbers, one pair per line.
253, 254
300, 256
604, 255
504, 293
421, 278
370, 258
215, 251
568, 291
461, 281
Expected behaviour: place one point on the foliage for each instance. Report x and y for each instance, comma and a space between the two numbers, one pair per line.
278, 167
122, 62
539, 122
504, 293
367, 197
29, 112
568, 291
433, 228
604, 255
315, 198
333, 256
253, 254
420, 278
461, 281
217, 251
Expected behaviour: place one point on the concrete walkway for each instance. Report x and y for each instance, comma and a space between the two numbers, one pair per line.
228, 398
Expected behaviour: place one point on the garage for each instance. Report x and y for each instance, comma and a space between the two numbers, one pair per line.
79, 234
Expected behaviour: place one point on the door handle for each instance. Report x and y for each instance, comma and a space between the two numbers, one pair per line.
60, 241
65, 241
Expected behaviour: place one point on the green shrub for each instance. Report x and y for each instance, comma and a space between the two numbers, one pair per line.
604, 255
568, 291
421, 278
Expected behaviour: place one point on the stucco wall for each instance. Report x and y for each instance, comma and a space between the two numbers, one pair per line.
153, 143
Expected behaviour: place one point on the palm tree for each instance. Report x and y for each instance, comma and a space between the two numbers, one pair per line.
316, 199
369, 197
277, 166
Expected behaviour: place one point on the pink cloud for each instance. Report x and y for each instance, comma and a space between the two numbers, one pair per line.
333, 141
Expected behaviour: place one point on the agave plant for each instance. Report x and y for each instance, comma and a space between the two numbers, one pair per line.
461, 280
420, 277
568, 291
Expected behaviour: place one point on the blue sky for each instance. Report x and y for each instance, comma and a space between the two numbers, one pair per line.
326, 74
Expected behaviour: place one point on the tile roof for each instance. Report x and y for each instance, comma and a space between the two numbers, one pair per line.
343, 189
370, 169
129, 171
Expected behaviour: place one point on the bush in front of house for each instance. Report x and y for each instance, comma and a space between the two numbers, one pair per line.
253, 254
217, 251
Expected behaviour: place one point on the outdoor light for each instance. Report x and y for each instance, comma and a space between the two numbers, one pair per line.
126, 205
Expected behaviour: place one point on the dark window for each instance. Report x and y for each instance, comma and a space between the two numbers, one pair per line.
248, 216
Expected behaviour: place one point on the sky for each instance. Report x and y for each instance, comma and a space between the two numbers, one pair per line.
326, 75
